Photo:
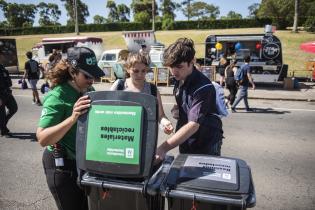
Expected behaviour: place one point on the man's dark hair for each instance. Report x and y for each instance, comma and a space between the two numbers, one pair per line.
182, 50
247, 58
29, 54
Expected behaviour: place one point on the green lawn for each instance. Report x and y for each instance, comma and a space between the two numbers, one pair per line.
292, 55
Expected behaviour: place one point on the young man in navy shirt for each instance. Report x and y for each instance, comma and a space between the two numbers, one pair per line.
198, 129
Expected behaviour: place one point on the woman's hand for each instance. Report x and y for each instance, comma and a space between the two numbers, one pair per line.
166, 125
81, 106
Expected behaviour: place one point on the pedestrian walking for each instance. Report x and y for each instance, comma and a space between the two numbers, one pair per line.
230, 82
70, 79
243, 77
7, 101
32, 72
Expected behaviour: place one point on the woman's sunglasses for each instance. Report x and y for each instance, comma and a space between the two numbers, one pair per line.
87, 76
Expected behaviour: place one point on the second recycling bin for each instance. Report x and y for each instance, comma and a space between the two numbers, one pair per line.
208, 182
116, 142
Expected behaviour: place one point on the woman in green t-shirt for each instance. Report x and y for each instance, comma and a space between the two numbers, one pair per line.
69, 79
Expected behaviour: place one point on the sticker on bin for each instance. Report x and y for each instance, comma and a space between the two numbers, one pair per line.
209, 168
114, 134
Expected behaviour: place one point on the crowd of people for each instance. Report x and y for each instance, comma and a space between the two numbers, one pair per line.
198, 129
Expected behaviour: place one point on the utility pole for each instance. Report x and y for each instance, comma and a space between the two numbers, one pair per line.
153, 15
76, 17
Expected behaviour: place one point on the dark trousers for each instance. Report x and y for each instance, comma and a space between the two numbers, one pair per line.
233, 90
62, 184
8, 101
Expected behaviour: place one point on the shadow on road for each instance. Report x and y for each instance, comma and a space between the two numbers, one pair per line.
261, 111
269, 111
23, 136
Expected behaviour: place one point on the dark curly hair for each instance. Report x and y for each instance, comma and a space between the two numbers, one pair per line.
62, 72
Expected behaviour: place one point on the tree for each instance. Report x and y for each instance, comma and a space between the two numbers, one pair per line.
97, 19
280, 11
296, 16
232, 15
113, 14
142, 17
83, 11
202, 10
253, 10
168, 8
187, 9
143, 6
123, 12
48, 14
18, 15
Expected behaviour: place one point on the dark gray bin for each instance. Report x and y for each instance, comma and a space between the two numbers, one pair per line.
186, 187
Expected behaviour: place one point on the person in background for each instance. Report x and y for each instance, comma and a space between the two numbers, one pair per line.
7, 100
137, 65
198, 129
56, 131
143, 49
32, 74
223, 63
230, 83
243, 86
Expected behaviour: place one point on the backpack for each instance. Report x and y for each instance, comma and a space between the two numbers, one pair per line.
34, 66
219, 100
121, 86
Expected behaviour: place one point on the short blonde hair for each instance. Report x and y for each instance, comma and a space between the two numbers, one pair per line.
134, 58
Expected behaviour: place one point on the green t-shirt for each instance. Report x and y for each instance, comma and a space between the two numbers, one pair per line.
58, 106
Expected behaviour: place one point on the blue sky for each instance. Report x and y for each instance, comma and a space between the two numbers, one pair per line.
98, 7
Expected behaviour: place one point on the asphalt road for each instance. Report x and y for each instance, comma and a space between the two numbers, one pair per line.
277, 141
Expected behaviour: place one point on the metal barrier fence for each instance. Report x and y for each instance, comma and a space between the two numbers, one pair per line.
159, 76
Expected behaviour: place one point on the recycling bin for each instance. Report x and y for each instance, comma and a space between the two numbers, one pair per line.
208, 182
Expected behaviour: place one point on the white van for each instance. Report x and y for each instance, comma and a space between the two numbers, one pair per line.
43, 49
110, 60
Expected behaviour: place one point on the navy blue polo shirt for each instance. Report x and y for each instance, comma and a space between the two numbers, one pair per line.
196, 100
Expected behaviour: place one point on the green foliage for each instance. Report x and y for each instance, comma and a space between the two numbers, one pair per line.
143, 6
123, 12
83, 11
253, 10
48, 14
168, 8
232, 15
187, 10
18, 15
134, 26
97, 19
310, 24
142, 17
282, 11
113, 14
202, 10
167, 22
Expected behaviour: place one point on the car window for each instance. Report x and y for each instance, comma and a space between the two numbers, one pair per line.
109, 57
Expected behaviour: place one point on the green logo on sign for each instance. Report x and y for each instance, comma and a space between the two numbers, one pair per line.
114, 134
